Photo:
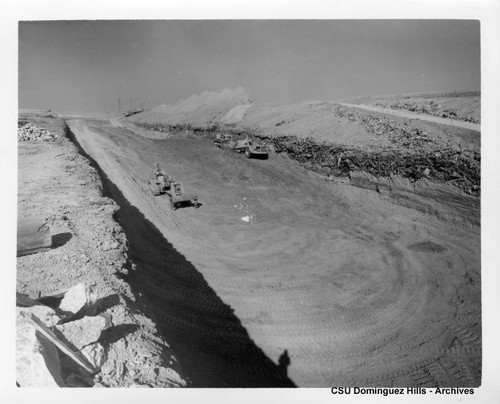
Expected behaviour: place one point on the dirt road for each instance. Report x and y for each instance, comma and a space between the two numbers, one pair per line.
422, 117
326, 284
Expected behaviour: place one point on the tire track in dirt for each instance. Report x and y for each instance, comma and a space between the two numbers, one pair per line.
223, 354
321, 271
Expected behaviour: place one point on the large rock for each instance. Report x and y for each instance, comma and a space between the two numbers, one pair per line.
80, 297
84, 331
37, 360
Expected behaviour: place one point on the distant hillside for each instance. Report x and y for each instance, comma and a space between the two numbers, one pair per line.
321, 120
204, 109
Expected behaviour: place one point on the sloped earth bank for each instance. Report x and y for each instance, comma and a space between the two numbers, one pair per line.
59, 185
324, 284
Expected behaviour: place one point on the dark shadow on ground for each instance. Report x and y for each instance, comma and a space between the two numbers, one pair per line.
116, 333
58, 240
284, 362
212, 345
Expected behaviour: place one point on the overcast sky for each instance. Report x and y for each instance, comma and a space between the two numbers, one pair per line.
89, 65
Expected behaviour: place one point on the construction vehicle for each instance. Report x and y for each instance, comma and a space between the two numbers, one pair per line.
162, 184
222, 139
133, 112
250, 147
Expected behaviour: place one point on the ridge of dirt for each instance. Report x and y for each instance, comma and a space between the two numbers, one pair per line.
58, 183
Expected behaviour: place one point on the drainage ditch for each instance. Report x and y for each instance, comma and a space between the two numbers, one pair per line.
210, 342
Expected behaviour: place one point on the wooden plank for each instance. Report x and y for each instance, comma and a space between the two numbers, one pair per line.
44, 330
33, 235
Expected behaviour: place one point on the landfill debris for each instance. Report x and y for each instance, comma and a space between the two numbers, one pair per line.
397, 133
431, 108
460, 168
31, 133
247, 219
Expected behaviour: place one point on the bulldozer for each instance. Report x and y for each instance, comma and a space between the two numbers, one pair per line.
162, 184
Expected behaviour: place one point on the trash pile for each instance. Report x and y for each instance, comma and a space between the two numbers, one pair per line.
176, 128
432, 108
57, 342
397, 133
461, 168
31, 133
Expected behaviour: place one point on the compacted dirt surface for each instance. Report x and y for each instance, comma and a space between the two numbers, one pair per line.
281, 278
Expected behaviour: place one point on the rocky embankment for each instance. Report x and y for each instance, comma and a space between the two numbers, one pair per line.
78, 288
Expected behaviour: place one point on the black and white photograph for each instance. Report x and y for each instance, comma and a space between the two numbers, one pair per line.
251, 203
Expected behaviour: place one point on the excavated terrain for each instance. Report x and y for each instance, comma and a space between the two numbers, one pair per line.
60, 186
281, 278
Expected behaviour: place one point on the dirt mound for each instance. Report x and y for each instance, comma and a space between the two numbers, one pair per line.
202, 110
